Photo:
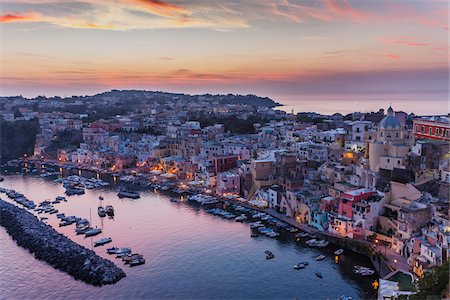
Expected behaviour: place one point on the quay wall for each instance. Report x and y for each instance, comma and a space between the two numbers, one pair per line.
57, 250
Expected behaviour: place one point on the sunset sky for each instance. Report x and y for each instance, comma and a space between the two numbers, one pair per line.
273, 47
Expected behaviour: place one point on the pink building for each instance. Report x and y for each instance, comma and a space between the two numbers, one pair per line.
228, 184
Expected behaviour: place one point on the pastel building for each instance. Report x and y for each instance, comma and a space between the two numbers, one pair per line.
228, 184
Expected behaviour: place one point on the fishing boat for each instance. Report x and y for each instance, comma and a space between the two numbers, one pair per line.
102, 242
318, 274
320, 257
339, 251
92, 232
82, 230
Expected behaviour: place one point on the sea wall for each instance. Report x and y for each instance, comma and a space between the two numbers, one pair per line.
57, 250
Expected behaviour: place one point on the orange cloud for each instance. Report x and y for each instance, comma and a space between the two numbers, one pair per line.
10, 18
162, 8
344, 9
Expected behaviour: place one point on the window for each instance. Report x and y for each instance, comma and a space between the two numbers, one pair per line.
416, 129
430, 130
422, 129
437, 131
398, 162
447, 133
388, 160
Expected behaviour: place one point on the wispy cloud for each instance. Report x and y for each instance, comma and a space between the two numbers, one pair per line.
151, 14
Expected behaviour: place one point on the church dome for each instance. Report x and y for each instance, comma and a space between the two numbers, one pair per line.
390, 122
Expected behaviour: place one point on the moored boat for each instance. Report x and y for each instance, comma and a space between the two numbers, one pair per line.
339, 251
102, 242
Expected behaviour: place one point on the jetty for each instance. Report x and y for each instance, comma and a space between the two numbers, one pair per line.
56, 249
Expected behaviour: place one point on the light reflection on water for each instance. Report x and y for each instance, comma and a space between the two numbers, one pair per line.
189, 254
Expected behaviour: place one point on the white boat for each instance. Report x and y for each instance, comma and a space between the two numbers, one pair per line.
320, 257
339, 251
240, 218
299, 266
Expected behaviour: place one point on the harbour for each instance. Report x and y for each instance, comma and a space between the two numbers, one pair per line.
183, 243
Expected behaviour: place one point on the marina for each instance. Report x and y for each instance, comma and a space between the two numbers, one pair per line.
144, 225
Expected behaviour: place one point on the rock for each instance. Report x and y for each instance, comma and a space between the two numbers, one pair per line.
57, 250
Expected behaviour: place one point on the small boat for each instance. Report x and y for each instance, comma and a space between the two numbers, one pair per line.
299, 266
269, 255
254, 234
318, 274
302, 235
44, 218
125, 194
240, 218
101, 198
137, 262
109, 210
130, 257
102, 242
82, 230
339, 251
92, 232
101, 211
320, 257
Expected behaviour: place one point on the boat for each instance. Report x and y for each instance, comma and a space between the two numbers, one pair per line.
61, 198
254, 234
137, 262
92, 232
101, 211
101, 198
102, 242
109, 210
339, 251
311, 242
322, 243
74, 191
130, 257
240, 218
299, 266
302, 235
44, 218
82, 230
127, 194
363, 271
320, 257
269, 255
318, 274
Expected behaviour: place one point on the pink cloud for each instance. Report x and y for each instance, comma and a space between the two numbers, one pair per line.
391, 56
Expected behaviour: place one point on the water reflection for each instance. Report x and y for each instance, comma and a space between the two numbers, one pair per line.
205, 255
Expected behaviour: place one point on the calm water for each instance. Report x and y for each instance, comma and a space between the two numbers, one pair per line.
420, 104
189, 254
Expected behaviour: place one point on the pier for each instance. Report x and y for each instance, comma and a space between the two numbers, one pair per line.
57, 250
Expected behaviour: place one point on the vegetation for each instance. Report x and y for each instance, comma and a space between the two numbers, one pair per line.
433, 285
17, 138
231, 123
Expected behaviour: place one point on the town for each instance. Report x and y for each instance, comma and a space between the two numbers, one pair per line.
380, 179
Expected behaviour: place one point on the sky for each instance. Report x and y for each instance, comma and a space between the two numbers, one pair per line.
275, 48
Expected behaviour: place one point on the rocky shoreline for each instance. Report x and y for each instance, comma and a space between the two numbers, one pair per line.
57, 250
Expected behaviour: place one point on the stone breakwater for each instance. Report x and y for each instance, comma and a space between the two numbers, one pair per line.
56, 249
